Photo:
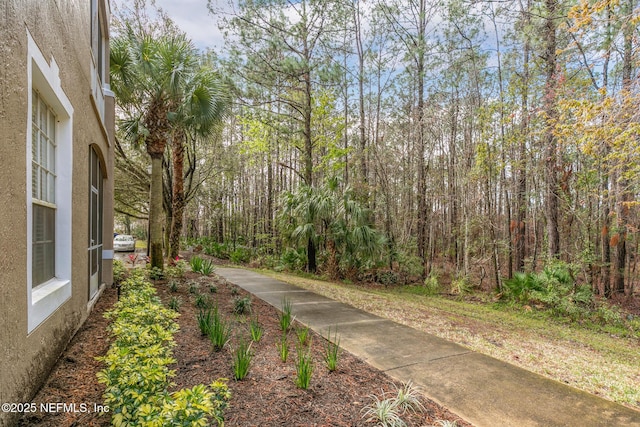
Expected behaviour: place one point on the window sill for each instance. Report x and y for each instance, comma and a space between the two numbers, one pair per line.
46, 299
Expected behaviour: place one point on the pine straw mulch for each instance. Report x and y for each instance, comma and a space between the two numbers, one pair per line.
268, 396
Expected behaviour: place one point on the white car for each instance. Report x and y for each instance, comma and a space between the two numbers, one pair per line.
124, 243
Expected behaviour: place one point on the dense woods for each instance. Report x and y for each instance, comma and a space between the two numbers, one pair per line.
394, 140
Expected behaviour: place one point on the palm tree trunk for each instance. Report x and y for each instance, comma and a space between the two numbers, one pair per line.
155, 213
178, 199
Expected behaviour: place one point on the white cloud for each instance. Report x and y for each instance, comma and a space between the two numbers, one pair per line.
193, 17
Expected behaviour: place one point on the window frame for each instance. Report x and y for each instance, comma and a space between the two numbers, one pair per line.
100, 14
43, 76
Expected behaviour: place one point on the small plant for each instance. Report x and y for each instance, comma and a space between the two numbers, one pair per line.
201, 301
204, 321
241, 360
303, 335
220, 331
207, 267
256, 330
177, 269
242, 305
173, 286
193, 288
332, 351
213, 289
388, 411
304, 368
283, 348
175, 303
461, 286
384, 411
196, 264
235, 291
409, 398
431, 284
156, 273
285, 317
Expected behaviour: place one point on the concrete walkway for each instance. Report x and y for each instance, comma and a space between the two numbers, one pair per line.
482, 390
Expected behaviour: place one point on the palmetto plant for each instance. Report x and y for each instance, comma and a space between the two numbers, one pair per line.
329, 214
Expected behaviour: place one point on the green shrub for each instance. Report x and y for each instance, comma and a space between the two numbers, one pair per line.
240, 255
155, 273
555, 289
207, 267
213, 289
196, 263
293, 259
218, 250
387, 277
461, 286
175, 303
177, 270
201, 301
119, 272
432, 285
137, 374
194, 288
242, 305
173, 286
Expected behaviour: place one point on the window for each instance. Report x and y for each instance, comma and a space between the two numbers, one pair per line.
99, 50
49, 183
43, 185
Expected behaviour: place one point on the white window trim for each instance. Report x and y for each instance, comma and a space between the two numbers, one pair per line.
43, 76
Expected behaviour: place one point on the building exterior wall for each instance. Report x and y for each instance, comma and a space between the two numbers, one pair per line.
61, 29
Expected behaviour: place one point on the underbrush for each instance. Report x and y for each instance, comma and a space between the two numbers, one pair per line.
137, 376
556, 294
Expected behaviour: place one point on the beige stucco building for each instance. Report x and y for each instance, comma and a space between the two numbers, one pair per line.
56, 182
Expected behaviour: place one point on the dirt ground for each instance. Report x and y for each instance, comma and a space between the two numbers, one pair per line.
268, 396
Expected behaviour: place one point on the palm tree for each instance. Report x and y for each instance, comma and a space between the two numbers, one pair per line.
151, 77
200, 115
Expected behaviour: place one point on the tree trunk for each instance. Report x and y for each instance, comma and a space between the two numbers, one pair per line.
311, 256
155, 213
178, 199
552, 193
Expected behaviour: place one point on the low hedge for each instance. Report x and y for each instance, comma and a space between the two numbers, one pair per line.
137, 374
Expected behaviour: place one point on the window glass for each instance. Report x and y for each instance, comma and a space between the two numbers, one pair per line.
43, 182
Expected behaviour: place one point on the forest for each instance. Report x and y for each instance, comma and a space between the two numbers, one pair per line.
481, 144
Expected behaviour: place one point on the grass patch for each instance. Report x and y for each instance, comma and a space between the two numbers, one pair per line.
599, 360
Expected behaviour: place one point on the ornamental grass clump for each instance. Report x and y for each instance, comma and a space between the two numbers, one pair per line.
304, 367
256, 330
332, 351
137, 375
242, 356
220, 331
387, 412
285, 318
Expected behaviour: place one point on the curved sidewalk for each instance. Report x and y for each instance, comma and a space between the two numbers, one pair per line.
482, 390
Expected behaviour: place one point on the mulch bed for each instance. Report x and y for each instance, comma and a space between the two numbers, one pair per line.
268, 396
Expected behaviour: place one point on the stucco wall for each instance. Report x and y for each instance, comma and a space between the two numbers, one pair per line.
61, 29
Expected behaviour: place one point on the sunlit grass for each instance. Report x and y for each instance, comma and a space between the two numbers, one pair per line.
592, 360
